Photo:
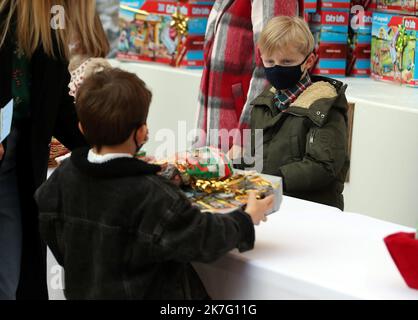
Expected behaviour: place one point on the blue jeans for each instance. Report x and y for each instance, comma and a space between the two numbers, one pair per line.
10, 223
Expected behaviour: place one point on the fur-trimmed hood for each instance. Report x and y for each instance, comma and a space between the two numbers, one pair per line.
315, 102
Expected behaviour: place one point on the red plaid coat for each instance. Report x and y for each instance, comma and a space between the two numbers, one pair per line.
233, 74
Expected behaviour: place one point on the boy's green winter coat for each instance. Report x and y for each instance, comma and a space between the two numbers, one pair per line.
306, 144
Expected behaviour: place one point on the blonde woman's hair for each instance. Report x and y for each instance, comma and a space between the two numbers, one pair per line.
284, 31
33, 27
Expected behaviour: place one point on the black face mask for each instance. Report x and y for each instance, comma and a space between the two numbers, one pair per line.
282, 77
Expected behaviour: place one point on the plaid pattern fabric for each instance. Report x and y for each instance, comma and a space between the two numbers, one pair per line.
233, 75
284, 98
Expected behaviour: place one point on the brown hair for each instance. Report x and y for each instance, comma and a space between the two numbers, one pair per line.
110, 105
284, 31
34, 26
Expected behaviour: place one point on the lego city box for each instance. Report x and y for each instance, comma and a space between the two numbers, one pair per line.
168, 32
330, 30
358, 58
393, 48
365, 4
310, 6
359, 45
329, 21
335, 5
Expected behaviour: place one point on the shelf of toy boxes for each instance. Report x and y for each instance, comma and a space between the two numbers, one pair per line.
384, 94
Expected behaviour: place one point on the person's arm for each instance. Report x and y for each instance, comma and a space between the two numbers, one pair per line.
66, 127
47, 198
5, 78
262, 12
326, 154
188, 235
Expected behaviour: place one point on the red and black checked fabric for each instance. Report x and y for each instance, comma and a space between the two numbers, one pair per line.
233, 75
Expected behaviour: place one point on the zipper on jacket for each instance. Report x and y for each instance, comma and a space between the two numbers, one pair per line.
312, 137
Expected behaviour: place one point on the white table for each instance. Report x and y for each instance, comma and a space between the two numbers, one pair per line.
310, 251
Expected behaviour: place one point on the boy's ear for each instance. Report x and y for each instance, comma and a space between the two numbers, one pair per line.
142, 134
81, 128
310, 62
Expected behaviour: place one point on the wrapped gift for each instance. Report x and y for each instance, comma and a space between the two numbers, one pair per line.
57, 150
223, 196
208, 163
208, 180
170, 32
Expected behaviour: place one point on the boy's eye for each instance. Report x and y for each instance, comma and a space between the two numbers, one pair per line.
287, 62
269, 62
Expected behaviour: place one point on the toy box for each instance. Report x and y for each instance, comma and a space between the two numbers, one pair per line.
365, 4
398, 6
310, 6
330, 30
359, 45
335, 5
393, 50
358, 60
169, 32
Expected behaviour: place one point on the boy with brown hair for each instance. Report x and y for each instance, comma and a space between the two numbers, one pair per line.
120, 230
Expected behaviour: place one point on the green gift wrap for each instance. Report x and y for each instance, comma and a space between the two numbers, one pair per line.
208, 163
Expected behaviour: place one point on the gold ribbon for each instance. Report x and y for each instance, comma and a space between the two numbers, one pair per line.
180, 22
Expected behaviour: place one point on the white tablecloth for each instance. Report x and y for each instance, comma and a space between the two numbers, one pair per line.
310, 251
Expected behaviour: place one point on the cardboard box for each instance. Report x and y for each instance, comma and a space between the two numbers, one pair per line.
388, 61
398, 6
310, 6
335, 5
147, 33
330, 30
358, 60
368, 5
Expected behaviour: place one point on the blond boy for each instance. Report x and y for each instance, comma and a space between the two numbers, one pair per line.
303, 118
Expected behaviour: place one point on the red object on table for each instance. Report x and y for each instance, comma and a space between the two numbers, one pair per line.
403, 248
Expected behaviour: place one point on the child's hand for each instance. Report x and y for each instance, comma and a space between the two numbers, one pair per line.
1, 151
149, 159
258, 209
236, 152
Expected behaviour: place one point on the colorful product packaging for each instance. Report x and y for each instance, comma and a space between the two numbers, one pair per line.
359, 48
170, 32
310, 6
367, 5
409, 7
335, 5
330, 30
393, 49
208, 163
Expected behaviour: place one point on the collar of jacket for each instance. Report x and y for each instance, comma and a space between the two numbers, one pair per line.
315, 102
116, 168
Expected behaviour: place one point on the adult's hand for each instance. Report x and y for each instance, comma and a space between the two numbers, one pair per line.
1, 151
